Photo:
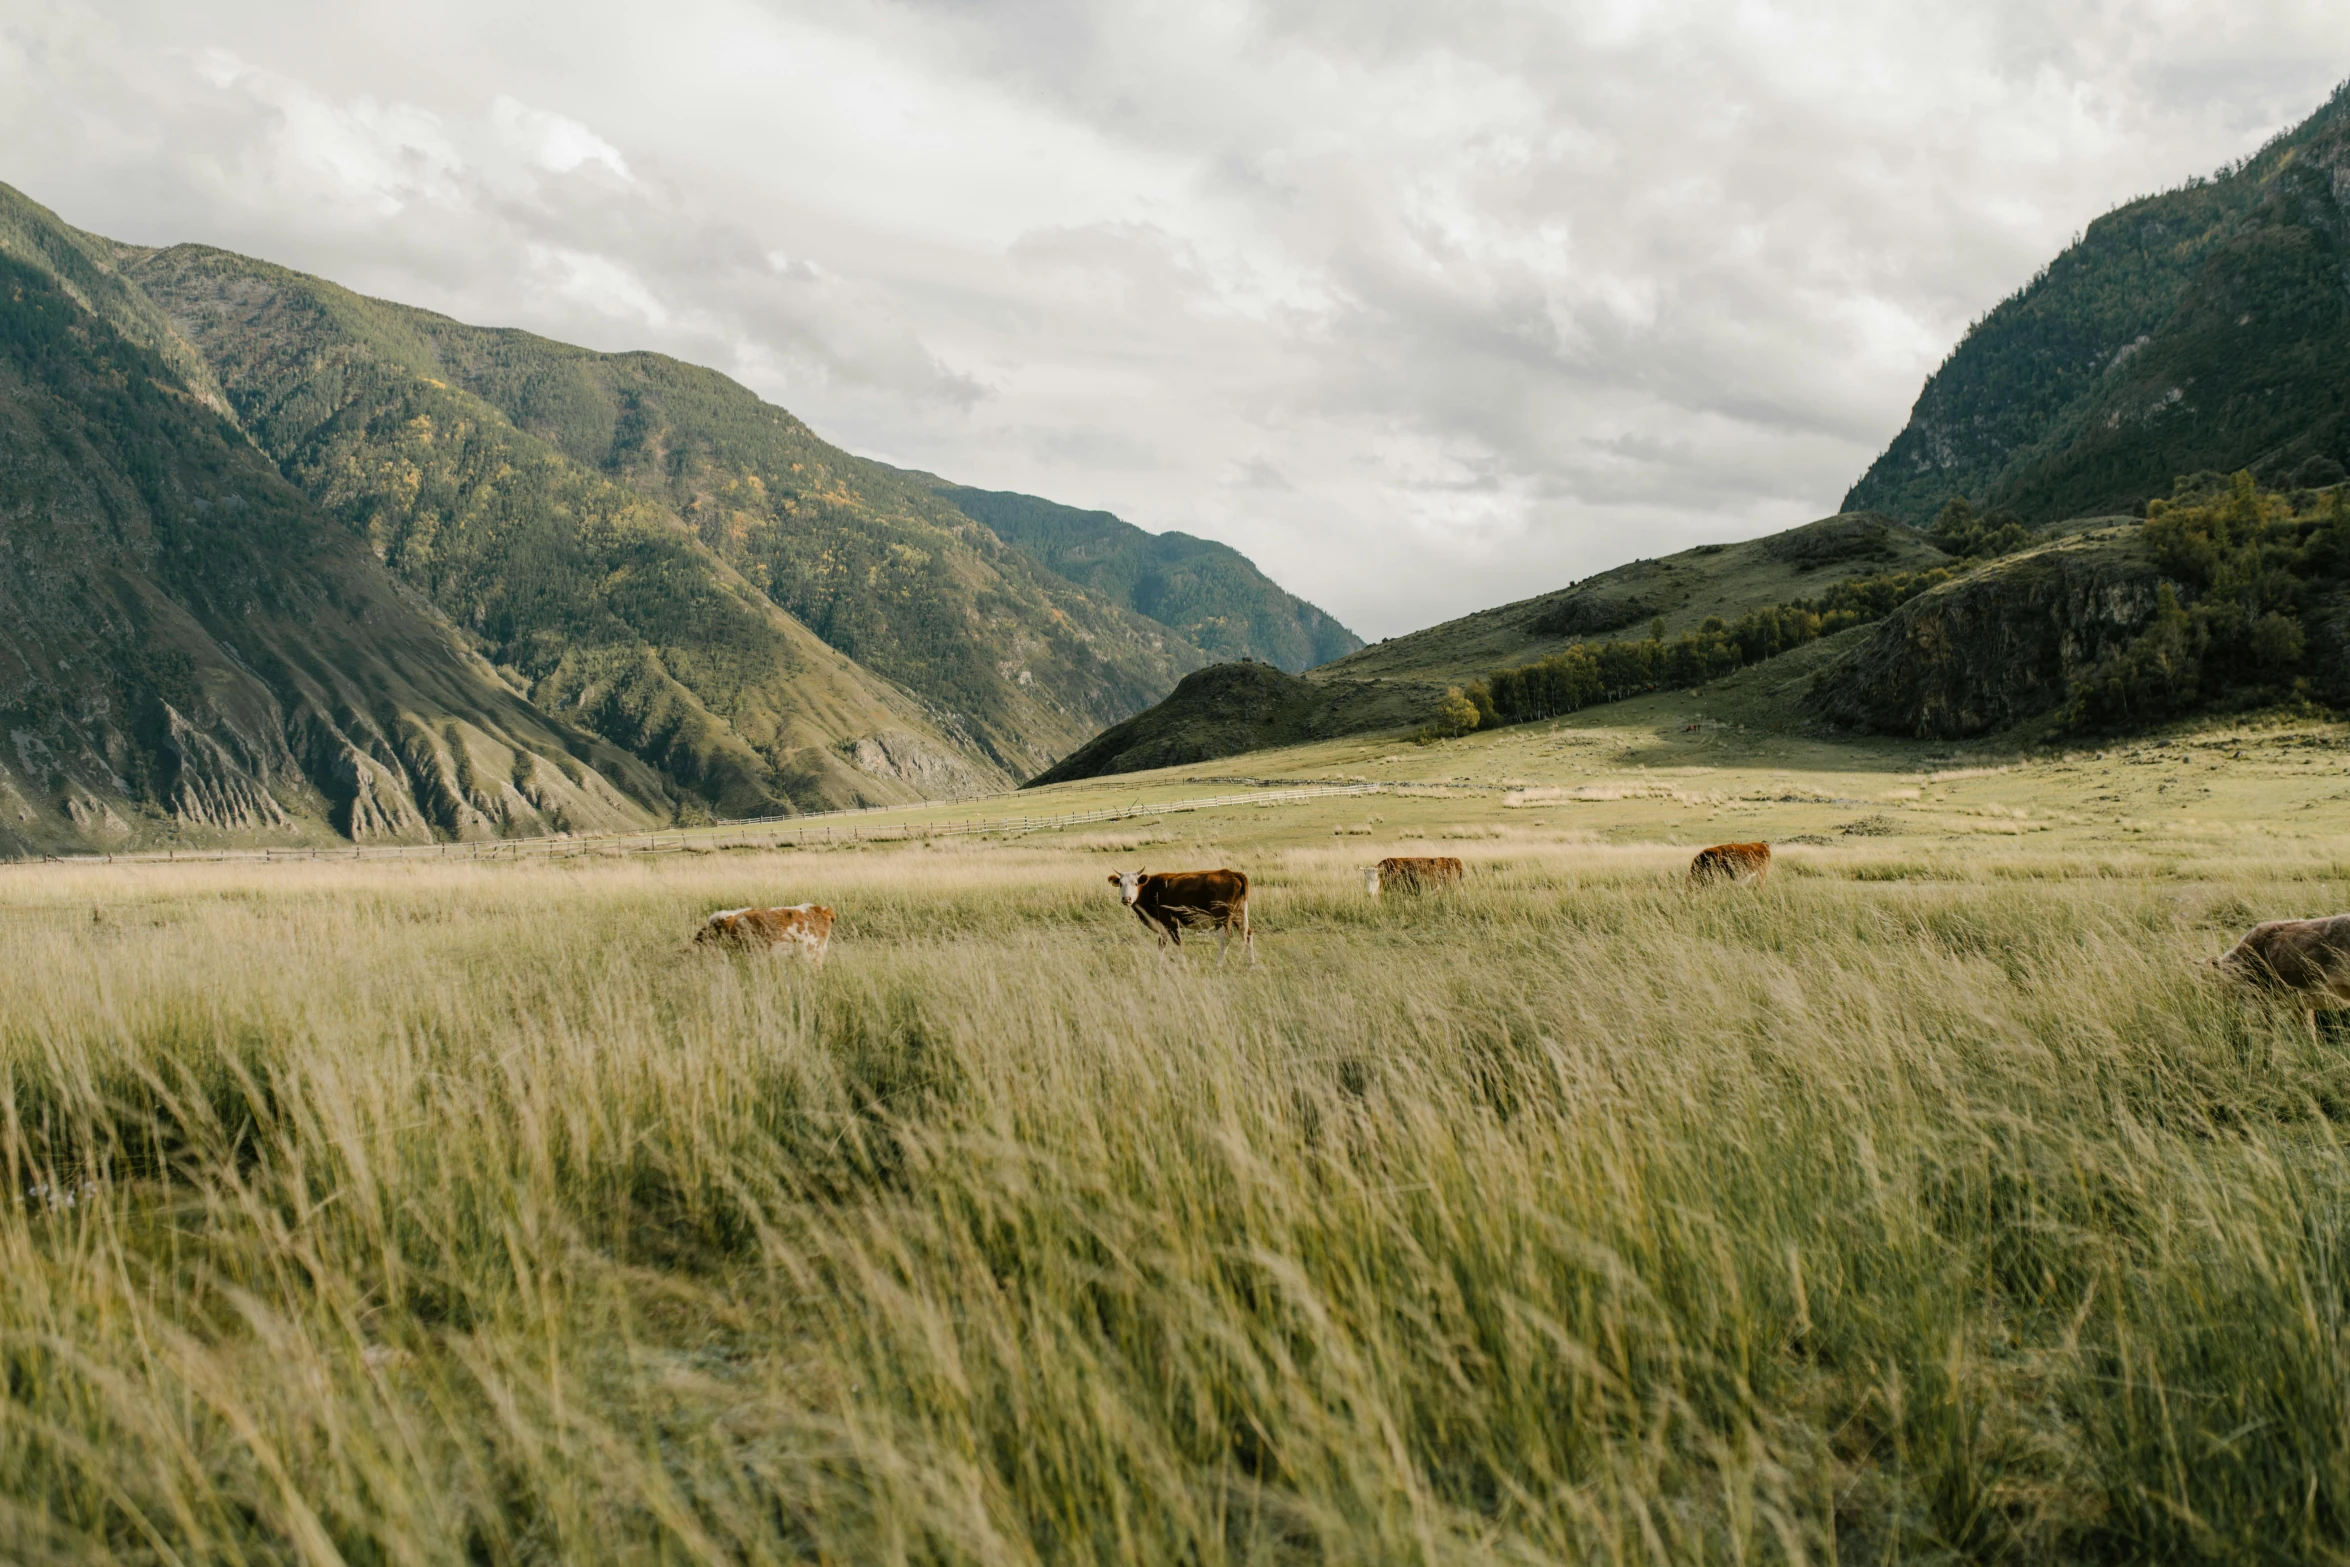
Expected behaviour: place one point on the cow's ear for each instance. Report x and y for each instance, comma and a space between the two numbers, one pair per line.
1115, 878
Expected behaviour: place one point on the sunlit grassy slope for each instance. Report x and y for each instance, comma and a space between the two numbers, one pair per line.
1930, 1201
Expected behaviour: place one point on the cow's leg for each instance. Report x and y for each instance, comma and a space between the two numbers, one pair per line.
1248, 940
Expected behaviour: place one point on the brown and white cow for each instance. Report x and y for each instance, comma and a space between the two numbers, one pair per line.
1730, 862
2311, 957
802, 930
1169, 902
1411, 873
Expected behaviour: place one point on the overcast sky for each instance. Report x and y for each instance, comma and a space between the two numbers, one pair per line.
1424, 306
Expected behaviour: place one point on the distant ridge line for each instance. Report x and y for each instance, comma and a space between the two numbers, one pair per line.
765, 832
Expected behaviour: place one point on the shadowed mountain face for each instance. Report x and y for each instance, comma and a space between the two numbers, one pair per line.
1210, 592
577, 508
596, 598
188, 650
279, 560
2202, 329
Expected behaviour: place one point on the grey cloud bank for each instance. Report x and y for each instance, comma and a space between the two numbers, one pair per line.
1425, 308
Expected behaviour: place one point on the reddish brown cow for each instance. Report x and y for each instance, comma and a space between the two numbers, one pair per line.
1730, 862
804, 930
1168, 902
2311, 957
1411, 873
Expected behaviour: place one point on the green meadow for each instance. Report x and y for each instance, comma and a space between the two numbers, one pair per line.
1930, 1201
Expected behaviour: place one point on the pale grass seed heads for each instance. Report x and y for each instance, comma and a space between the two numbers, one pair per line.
426, 1215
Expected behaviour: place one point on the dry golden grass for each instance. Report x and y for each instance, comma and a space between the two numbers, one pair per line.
1919, 1203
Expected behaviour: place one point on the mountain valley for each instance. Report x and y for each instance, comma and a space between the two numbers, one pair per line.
634, 592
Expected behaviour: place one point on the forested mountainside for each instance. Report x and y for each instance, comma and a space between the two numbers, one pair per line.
516, 480
672, 593
1211, 593
2198, 330
187, 646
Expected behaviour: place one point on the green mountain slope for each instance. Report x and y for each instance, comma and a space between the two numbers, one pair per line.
2186, 331
599, 598
1210, 593
486, 464
190, 650
1397, 685
1680, 590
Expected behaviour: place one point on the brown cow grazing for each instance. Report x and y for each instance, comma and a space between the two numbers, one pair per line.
1168, 902
1411, 873
2311, 957
802, 930
1730, 862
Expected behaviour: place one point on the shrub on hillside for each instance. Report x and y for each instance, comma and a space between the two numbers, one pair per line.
1961, 532
2227, 626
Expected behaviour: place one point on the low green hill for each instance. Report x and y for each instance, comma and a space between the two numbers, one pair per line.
1397, 685
1209, 592
1679, 590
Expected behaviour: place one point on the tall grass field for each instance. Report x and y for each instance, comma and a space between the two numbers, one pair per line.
1917, 1205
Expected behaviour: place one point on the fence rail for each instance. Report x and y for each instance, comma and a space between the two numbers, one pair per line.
760, 833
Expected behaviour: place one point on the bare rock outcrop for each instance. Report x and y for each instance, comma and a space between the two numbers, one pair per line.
934, 771
220, 776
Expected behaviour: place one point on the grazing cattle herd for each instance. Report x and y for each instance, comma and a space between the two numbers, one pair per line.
2308, 958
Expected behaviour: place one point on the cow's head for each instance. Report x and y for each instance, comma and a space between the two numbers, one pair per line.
1129, 885
1371, 880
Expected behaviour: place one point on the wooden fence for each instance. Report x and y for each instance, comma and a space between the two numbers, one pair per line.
761, 833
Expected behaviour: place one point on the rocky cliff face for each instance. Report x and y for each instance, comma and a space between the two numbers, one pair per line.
1997, 647
189, 651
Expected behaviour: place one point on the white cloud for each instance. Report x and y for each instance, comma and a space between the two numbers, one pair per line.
597, 283
374, 157
554, 142
1425, 307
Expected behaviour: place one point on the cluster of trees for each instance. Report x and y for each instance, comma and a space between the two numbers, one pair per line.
1962, 531
2245, 562
1593, 672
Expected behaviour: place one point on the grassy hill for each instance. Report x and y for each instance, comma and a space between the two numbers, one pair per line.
1395, 685
2226, 597
1680, 590
2197, 329
190, 649
1209, 592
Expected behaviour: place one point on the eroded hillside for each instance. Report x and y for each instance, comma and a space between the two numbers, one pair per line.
188, 649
